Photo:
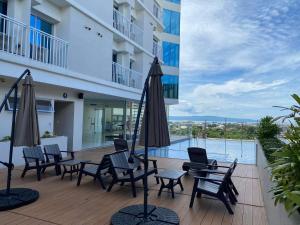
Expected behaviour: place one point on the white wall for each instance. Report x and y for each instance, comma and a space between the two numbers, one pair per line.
89, 53
46, 120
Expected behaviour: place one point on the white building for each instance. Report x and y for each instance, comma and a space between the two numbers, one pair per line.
89, 59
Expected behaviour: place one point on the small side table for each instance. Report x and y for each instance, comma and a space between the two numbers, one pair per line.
74, 167
174, 177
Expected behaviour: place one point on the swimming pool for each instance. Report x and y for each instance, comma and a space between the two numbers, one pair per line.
219, 149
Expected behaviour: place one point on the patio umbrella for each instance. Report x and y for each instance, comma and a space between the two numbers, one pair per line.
27, 126
25, 133
154, 133
158, 132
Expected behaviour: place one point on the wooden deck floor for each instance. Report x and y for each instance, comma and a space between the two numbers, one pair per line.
61, 202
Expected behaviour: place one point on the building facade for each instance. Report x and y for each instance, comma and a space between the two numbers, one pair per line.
89, 60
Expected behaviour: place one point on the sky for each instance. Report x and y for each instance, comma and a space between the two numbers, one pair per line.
238, 58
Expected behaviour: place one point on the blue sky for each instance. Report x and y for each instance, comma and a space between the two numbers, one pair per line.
238, 58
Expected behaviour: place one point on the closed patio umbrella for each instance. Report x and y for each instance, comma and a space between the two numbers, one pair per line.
23, 133
27, 126
154, 133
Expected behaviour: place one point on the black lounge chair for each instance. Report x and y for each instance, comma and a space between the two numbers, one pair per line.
95, 170
217, 187
198, 158
126, 172
35, 159
219, 172
120, 144
53, 153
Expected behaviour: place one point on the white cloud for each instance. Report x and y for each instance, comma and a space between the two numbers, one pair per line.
234, 87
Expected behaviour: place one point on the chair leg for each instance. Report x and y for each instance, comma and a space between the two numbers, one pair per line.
224, 200
199, 194
111, 185
133, 188
194, 193
101, 182
38, 173
24, 172
233, 187
79, 178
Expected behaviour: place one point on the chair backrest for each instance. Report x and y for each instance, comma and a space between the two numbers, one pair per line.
233, 166
120, 144
52, 150
225, 179
32, 153
198, 155
105, 163
119, 159
136, 161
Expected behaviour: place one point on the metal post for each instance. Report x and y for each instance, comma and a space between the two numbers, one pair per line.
225, 137
12, 139
146, 153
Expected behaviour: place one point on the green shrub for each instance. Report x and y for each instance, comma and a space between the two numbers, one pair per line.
266, 133
48, 134
267, 129
6, 138
286, 166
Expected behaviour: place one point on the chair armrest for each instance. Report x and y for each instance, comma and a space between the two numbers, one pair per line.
213, 171
215, 181
90, 163
28, 157
71, 152
123, 168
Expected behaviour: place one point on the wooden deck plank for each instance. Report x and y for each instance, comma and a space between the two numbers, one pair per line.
62, 202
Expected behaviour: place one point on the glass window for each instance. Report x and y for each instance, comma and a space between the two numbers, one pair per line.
170, 85
171, 22
41, 105
3, 7
171, 54
40, 24
175, 1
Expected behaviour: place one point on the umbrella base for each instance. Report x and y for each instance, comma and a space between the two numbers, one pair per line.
133, 215
17, 197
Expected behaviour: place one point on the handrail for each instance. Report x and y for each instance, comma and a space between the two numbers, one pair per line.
12, 20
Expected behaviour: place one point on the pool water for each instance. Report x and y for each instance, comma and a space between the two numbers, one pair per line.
220, 149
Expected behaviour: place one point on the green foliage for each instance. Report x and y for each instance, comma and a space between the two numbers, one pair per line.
6, 138
286, 166
48, 134
267, 129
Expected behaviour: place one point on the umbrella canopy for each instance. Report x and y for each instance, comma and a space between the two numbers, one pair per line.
27, 126
158, 135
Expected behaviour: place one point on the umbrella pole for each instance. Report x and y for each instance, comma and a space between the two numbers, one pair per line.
146, 152
12, 139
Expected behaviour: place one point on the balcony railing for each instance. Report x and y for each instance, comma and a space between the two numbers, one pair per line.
157, 50
128, 28
12, 36
126, 76
19, 39
47, 48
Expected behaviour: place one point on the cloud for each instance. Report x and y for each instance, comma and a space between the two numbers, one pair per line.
234, 87
238, 58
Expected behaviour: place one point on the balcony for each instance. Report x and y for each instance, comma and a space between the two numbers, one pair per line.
157, 11
128, 28
19, 39
47, 48
126, 76
157, 50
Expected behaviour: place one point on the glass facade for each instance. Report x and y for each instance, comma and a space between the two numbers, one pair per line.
171, 54
174, 1
170, 85
171, 22
3, 7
